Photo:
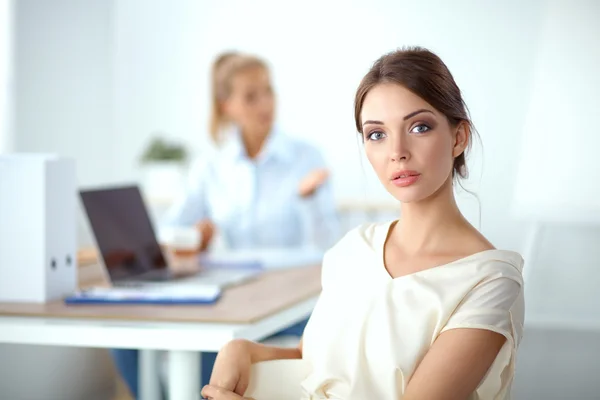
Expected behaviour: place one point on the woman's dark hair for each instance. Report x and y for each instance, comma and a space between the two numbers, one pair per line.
425, 74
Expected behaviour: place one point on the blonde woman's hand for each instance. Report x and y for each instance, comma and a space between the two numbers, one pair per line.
231, 371
312, 181
207, 230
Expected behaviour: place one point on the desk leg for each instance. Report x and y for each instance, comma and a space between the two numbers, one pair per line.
149, 379
184, 375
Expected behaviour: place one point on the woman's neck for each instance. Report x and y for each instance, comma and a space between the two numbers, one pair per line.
426, 226
254, 142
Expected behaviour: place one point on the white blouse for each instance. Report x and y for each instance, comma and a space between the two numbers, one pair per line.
369, 331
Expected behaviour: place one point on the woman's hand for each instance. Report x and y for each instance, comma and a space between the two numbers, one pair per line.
312, 181
216, 393
207, 230
231, 372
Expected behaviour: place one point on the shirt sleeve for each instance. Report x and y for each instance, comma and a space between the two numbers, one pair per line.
496, 305
190, 207
323, 225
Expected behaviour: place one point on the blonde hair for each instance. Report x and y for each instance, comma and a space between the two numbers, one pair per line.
225, 67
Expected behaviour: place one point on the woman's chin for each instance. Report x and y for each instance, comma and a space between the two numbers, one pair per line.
411, 194
265, 125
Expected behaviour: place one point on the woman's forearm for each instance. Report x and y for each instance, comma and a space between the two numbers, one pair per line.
260, 352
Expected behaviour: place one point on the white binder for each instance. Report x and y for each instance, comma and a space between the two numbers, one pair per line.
38, 231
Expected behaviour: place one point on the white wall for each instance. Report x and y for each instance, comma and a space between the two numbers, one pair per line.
559, 173
6, 76
64, 82
569, 57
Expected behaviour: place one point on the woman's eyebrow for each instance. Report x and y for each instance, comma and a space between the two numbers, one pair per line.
407, 116
412, 114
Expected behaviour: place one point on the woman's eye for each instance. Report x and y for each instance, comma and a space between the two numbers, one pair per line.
421, 128
376, 135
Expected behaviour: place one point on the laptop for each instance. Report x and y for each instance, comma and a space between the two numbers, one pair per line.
128, 246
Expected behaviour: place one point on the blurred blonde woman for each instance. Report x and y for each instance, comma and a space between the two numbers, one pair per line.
259, 188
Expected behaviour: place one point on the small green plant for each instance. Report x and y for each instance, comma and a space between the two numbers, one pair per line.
159, 150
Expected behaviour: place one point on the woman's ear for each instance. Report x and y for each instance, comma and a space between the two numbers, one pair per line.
461, 138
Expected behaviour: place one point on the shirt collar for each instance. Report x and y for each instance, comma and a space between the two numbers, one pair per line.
277, 146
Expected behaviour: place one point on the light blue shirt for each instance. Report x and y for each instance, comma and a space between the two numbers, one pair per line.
255, 203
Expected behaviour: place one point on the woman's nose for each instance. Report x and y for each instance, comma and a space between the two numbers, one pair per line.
399, 148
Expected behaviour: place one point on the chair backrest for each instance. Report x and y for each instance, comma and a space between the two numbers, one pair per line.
277, 380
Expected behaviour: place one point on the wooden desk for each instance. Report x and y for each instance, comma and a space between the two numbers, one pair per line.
262, 297
255, 310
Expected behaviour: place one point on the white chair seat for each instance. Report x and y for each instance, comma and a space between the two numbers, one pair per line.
277, 380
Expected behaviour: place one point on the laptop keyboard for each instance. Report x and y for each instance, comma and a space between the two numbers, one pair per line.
221, 278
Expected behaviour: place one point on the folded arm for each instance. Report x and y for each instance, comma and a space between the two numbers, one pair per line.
231, 373
260, 352
455, 365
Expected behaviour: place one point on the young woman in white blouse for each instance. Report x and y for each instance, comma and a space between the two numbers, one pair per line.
259, 188
419, 308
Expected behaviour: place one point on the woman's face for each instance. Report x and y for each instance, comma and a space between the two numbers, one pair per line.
410, 145
251, 104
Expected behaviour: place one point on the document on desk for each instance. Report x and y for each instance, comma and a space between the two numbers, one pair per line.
263, 259
175, 295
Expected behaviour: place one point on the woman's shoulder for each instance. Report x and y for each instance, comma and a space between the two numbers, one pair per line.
488, 272
484, 258
497, 262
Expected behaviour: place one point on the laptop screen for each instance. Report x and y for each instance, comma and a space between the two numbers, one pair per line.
123, 231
